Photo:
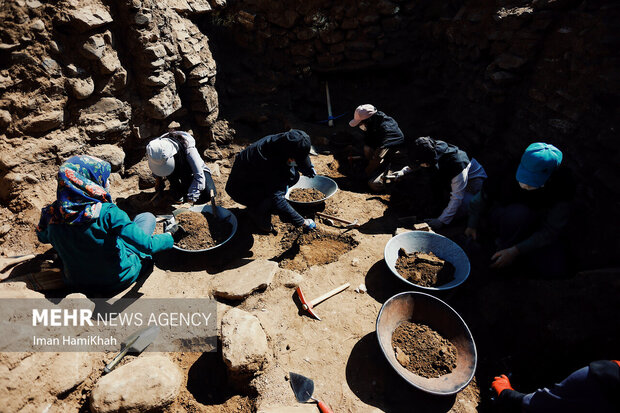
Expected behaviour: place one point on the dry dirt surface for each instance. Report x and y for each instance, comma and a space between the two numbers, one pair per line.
422, 350
340, 353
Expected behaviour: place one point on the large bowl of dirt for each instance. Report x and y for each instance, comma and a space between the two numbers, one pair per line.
421, 308
428, 242
304, 191
225, 217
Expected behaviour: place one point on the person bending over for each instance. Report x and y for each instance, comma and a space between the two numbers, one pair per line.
173, 156
262, 173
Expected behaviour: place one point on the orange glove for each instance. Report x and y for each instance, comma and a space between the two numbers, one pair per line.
501, 383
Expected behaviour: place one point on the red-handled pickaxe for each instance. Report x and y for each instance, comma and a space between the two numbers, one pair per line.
309, 305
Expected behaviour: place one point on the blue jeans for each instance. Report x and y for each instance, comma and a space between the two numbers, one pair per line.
146, 221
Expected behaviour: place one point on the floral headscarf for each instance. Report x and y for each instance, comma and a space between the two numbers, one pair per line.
82, 187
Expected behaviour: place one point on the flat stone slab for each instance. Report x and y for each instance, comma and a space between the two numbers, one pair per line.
239, 283
244, 343
147, 383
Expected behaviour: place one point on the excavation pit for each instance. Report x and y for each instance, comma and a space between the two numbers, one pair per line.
307, 249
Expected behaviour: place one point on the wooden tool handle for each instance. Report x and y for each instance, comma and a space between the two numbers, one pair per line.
344, 221
9, 262
329, 294
324, 408
108, 368
216, 213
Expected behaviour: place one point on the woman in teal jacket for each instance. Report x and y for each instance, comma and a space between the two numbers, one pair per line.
100, 247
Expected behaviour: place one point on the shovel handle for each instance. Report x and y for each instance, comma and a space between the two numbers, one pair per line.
108, 367
213, 205
329, 294
323, 407
8, 262
344, 221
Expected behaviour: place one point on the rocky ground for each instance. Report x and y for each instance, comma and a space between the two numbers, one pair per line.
104, 77
520, 325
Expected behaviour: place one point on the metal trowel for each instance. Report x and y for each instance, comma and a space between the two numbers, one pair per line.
303, 387
134, 344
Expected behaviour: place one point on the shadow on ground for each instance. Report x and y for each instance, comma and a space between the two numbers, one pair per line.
373, 380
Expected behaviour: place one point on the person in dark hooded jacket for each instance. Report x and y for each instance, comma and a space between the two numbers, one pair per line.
383, 143
263, 171
453, 170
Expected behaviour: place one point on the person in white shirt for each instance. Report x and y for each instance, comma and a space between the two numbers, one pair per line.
174, 156
453, 168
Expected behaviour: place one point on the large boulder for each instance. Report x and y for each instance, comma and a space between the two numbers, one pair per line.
147, 383
109, 117
88, 17
244, 345
44, 122
81, 88
110, 153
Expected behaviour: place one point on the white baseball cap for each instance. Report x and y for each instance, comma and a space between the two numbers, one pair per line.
160, 154
362, 112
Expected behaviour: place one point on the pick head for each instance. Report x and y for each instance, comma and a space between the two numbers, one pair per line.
306, 305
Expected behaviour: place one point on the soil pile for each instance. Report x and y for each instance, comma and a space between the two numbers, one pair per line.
203, 230
425, 269
306, 195
314, 248
422, 350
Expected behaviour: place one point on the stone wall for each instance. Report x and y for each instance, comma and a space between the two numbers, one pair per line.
98, 78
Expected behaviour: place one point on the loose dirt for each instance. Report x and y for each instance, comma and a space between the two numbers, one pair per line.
317, 247
306, 195
424, 269
204, 230
422, 350
340, 353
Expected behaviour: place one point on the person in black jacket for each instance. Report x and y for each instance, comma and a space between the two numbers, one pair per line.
527, 213
595, 388
263, 171
383, 143
453, 171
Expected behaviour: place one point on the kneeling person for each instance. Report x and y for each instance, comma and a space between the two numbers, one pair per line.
262, 173
173, 156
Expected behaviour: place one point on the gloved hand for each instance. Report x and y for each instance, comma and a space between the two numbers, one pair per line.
434, 223
504, 258
398, 175
177, 232
501, 383
309, 224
